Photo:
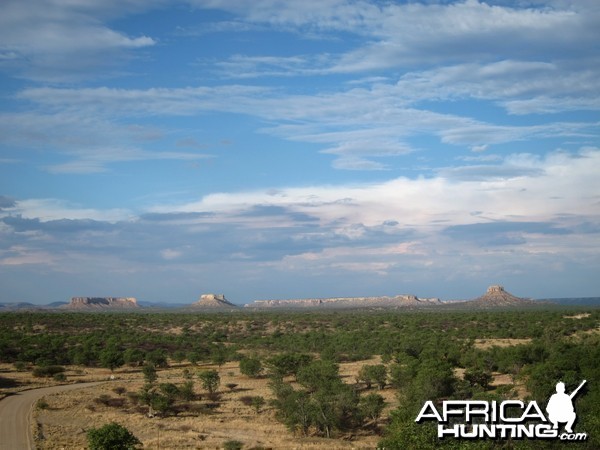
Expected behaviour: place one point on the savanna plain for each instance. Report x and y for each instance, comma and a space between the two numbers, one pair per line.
285, 380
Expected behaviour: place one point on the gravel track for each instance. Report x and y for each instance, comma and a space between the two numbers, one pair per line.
15, 415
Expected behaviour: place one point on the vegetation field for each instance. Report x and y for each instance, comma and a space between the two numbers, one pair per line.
350, 379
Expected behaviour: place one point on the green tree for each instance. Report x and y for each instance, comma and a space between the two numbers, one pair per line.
210, 380
111, 358
371, 406
335, 408
157, 401
370, 374
149, 372
478, 377
251, 367
219, 355
186, 391
157, 358
111, 436
134, 357
319, 375
170, 390
288, 363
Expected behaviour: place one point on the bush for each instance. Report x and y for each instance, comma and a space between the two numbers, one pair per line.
370, 374
210, 380
251, 367
107, 400
47, 371
149, 372
257, 403
372, 405
119, 390
288, 363
186, 391
111, 436
233, 445
20, 366
59, 377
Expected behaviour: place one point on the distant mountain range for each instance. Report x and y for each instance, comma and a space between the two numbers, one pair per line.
495, 297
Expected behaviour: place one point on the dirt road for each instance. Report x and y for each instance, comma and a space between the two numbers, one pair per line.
15, 415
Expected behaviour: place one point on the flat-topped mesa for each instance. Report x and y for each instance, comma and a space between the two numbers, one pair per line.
103, 302
345, 302
213, 301
495, 289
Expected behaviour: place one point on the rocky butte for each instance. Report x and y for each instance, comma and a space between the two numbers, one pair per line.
102, 303
213, 301
497, 297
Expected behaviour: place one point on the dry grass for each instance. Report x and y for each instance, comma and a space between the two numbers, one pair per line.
63, 424
484, 344
578, 316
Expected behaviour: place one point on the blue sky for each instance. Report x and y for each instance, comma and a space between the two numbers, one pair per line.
280, 149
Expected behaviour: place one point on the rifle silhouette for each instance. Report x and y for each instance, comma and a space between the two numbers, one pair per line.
577, 390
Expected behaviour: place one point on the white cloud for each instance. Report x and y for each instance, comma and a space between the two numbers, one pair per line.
525, 214
19, 255
61, 41
357, 124
521, 185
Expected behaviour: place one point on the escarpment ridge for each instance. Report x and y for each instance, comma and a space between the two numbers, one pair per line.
102, 303
495, 297
346, 302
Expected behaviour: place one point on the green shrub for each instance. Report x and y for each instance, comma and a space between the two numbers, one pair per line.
233, 445
251, 367
47, 371
111, 436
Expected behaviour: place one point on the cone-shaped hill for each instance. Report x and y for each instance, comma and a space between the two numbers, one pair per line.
496, 297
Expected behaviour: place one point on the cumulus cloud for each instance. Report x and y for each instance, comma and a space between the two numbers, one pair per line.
468, 97
538, 209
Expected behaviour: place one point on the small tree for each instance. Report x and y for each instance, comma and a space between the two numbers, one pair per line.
219, 356
479, 377
111, 436
370, 374
133, 357
157, 358
371, 406
251, 367
319, 375
150, 375
111, 358
288, 363
210, 380
186, 391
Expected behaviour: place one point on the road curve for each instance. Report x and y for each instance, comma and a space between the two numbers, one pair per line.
15, 415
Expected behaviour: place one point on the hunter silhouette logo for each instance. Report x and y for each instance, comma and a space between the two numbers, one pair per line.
560, 407
508, 419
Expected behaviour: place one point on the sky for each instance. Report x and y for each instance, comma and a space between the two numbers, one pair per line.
274, 149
